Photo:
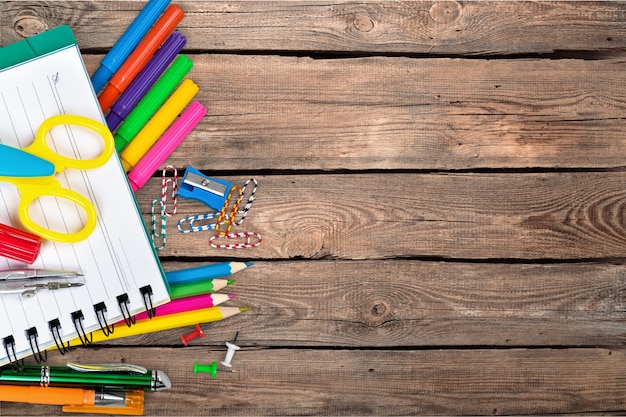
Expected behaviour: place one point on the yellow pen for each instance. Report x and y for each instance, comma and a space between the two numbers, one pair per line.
166, 322
151, 132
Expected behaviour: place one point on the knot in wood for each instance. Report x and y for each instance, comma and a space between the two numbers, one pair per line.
27, 26
363, 23
379, 309
445, 12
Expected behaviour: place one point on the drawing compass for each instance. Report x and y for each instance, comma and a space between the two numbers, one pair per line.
28, 281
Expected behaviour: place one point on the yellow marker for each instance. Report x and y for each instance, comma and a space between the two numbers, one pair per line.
151, 132
166, 322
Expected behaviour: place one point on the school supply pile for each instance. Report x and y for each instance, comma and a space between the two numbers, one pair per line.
148, 105
141, 109
144, 98
65, 205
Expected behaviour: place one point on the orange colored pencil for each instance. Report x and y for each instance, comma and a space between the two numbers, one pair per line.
140, 56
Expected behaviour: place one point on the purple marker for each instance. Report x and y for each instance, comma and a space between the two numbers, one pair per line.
145, 79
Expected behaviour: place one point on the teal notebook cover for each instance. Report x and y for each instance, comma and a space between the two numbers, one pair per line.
35, 46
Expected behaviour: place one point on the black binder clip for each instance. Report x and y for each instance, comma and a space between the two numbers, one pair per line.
211, 191
9, 348
146, 293
101, 309
32, 335
77, 319
123, 301
55, 329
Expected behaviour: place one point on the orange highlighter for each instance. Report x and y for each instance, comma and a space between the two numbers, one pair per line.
78, 400
140, 56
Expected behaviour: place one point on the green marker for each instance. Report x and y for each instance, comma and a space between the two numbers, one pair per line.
152, 101
204, 286
61, 376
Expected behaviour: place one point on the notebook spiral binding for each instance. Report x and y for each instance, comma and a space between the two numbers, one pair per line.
123, 301
32, 335
101, 309
55, 329
146, 294
77, 319
9, 348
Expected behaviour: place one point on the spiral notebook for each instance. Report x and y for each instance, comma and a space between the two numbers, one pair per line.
39, 77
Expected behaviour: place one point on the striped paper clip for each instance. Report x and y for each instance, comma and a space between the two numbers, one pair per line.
160, 232
188, 224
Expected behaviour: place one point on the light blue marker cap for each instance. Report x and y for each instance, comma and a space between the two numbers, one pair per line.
127, 43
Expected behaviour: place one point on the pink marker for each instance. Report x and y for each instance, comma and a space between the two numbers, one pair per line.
164, 147
189, 303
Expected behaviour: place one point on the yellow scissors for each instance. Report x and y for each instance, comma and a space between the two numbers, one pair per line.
32, 170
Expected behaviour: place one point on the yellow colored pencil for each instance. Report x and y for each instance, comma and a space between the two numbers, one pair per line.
167, 322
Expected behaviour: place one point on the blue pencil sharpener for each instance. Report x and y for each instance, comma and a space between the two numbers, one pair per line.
210, 191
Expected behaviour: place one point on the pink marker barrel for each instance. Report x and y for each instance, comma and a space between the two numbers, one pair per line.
164, 147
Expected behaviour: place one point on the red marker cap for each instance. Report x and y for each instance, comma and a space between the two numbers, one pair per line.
19, 245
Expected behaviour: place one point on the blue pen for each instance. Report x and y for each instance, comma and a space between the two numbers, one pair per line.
211, 271
127, 42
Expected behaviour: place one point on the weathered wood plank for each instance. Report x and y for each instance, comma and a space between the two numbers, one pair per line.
374, 382
390, 304
420, 27
371, 216
400, 113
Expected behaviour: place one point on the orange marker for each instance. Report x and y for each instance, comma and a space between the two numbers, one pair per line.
140, 56
77, 400
47, 395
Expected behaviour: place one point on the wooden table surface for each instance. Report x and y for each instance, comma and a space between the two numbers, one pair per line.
441, 196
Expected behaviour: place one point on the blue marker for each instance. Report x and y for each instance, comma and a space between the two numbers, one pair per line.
211, 271
127, 42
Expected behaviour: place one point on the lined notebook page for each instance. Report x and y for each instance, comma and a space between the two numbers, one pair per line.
118, 258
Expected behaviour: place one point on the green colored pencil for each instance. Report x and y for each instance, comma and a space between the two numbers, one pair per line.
204, 286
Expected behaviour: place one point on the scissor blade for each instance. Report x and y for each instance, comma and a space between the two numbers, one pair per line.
17, 163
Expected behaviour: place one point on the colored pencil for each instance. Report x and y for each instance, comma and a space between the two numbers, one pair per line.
211, 271
168, 322
188, 303
205, 286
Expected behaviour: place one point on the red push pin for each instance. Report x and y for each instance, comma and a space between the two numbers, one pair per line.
196, 333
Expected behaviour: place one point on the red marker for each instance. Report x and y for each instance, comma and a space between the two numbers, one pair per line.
18, 244
140, 56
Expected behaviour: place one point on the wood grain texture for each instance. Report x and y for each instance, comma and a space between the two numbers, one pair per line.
374, 382
420, 27
441, 199
397, 303
267, 112
377, 216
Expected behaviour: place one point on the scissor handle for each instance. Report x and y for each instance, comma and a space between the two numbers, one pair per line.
31, 192
40, 146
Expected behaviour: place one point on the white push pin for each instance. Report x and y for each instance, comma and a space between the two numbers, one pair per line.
232, 347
